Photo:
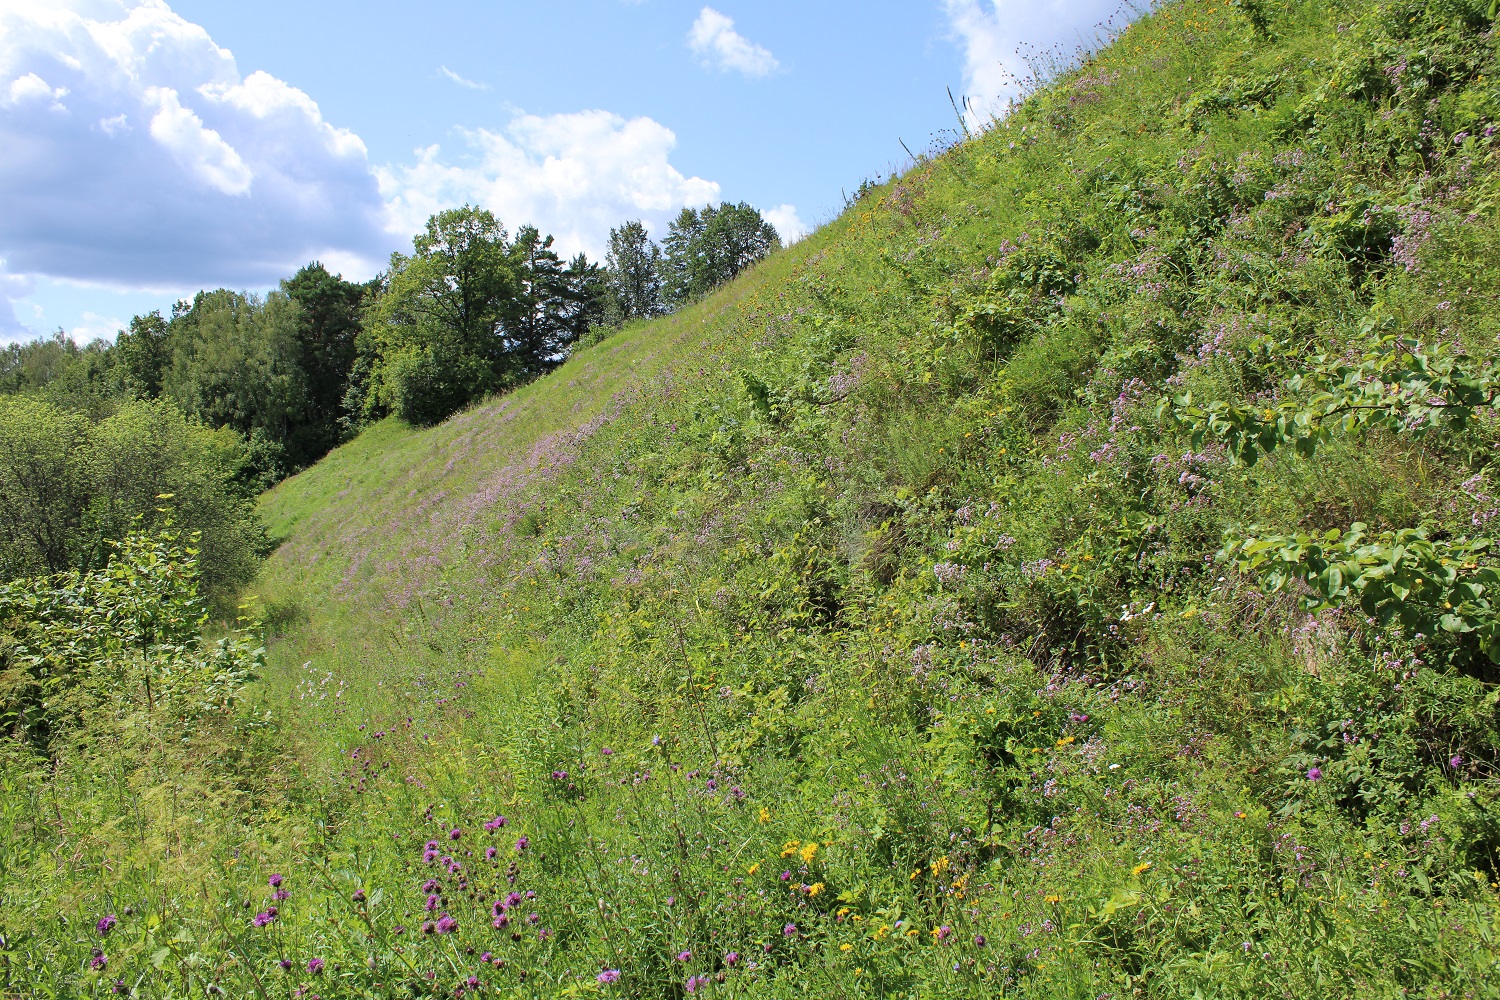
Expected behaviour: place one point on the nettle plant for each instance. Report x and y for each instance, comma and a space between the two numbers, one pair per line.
1427, 585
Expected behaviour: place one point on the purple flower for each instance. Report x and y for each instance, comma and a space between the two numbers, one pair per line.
489, 853
275, 881
943, 932
1455, 761
495, 824
544, 934
485, 958
512, 899
1315, 774
428, 927
979, 941
263, 918
533, 918
608, 976
430, 885
606, 751
429, 856
521, 844
286, 964
99, 961
455, 833
107, 923
501, 922
695, 983
314, 966
790, 930
786, 876
432, 902
120, 987
731, 958
684, 956
559, 775
280, 895
446, 924
359, 896
433, 845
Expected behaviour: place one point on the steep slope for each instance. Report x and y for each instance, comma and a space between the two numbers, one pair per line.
869, 629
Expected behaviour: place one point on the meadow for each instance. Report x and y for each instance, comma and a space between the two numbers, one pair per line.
1064, 574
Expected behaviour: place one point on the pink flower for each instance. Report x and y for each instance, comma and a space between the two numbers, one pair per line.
608, 976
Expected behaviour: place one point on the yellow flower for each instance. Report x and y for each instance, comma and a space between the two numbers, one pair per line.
808, 852
912, 933
1065, 741
882, 930
1140, 867
790, 848
913, 876
940, 865
815, 888
857, 918
843, 911
753, 868
1054, 899
846, 947
765, 815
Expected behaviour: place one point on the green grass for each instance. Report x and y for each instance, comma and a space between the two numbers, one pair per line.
868, 610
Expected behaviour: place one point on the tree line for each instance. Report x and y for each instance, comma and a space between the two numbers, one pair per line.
191, 415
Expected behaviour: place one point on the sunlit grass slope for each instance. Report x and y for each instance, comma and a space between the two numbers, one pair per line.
858, 631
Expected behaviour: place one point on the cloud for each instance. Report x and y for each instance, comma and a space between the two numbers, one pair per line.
788, 224
573, 175
133, 152
714, 40
12, 287
470, 84
997, 36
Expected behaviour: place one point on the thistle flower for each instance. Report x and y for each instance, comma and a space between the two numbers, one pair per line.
1315, 774
99, 961
275, 881
495, 824
608, 976
263, 918
106, 924
790, 930
684, 956
695, 983
455, 833
432, 902
489, 853
446, 924
314, 966
521, 844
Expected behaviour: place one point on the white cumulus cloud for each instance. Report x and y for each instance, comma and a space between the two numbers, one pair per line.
788, 224
714, 40
573, 175
997, 36
133, 152
462, 81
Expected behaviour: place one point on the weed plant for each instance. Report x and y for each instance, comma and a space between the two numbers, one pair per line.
861, 630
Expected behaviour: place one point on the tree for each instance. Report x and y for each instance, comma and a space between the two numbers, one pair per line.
707, 247
236, 364
42, 490
143, 355
634, 265
326, 333
437, 327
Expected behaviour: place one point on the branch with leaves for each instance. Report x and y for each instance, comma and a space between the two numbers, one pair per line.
1399, 384
1426, 585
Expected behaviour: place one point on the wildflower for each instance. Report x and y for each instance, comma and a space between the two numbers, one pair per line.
808, 852
1315, 774
942, 933
263, 918
429, 856
430, 885
314, 966
120, 987
100, 960
695, 983
786, 876
485, 958
286, 964
764, 816
280, 895
428, 927
979, 941
521, 844
544, 934
533, 918
606, 751
790, 930
446, 924
359, 896
753, 868
106, 924
559, 775
684, 956
501, 922
512, 899
1140, 867
846, 947
608, 976
1058, 899
731, 958
489, 853
455, 833
1455, 761
275, 881
790, 848
495, 824
432, 902
815, 888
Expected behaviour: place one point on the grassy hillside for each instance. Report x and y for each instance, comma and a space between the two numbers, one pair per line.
871, 628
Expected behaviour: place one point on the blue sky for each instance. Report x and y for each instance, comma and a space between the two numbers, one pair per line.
149, 149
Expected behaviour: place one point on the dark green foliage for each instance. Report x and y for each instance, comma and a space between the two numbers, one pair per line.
706, 247
326, 330
634, 267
